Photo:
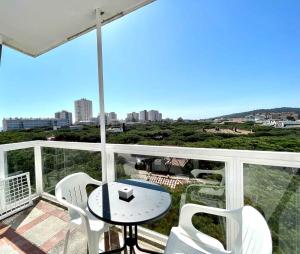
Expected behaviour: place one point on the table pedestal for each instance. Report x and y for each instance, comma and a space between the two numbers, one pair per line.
131, 241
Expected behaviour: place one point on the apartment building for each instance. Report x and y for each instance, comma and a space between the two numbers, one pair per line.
111, 117
154, 116
64, 115
143, 116
132, 117
31, 123
83, 110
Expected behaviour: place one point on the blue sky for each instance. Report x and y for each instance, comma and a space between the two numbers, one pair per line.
189, 58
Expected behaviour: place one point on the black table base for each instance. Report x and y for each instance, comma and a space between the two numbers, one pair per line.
131, 241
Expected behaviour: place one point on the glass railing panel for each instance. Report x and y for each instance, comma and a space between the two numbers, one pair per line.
275, 192
59, 163
187, 180
22, 161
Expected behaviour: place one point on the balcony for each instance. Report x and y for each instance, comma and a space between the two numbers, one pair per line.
41, 228
221, 178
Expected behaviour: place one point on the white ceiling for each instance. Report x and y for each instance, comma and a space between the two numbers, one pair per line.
37, 26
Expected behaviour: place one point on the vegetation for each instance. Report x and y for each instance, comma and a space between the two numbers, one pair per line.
192, 134
272, 190
195, 134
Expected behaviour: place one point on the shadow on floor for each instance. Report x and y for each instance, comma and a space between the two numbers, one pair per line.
17, 242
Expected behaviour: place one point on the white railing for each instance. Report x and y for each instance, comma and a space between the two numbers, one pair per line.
15, 194
233, 159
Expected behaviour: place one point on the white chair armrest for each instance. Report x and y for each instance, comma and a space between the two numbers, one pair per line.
95, 182
210, 244
188, 210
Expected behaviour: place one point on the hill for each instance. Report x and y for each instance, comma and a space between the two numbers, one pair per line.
259, 111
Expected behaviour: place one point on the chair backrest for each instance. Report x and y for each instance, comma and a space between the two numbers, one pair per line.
254, 234
72, 189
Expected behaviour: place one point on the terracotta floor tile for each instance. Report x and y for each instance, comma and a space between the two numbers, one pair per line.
45, 206
51, 243
23, 229
45, 230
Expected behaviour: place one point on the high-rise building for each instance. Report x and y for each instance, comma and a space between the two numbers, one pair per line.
153, 115
83, 110
64, 115
159, 117
143, 116
132, 117
111, 117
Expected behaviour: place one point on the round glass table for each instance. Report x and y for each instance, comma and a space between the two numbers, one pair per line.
149, 202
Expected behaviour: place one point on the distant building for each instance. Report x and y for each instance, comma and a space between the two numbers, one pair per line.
89, 123
64, 115
132, 117
288, 124
260, 118
111, 118
95, 120
154, 116
115, 129
83, 110
151, 115
160, 117
143, 116
31, 123
270, 122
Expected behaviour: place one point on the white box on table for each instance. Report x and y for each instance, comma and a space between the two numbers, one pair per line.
125, 192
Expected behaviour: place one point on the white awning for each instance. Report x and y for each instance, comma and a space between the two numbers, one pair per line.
37, 26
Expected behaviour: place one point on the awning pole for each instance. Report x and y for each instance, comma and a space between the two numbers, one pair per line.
0, 48
101, 96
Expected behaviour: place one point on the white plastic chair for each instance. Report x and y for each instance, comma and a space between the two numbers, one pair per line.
71, 192
209, 194
254, 236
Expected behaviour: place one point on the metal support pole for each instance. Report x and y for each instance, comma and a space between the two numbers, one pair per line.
101, 96
1, 41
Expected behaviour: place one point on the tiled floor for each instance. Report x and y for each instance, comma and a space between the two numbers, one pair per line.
41, 229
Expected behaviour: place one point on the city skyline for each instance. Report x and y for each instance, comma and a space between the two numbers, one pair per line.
278, 117
182, 69
126, 114
65, 113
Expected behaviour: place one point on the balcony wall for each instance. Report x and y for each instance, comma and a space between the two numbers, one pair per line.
269, 181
